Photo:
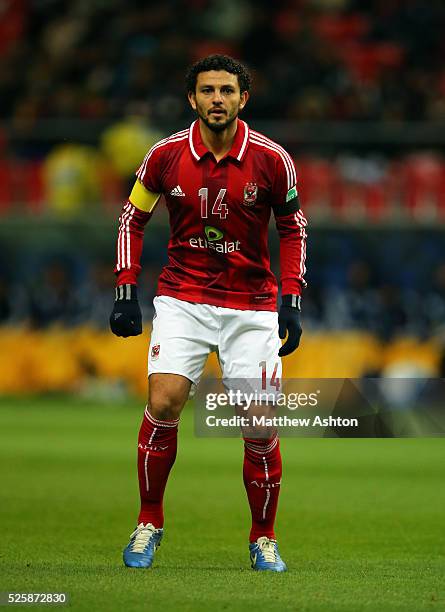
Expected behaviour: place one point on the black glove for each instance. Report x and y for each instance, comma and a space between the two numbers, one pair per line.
289, 322
126, 318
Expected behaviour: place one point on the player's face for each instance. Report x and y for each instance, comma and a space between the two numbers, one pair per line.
217, 98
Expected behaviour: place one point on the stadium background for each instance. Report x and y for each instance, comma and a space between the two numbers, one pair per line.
355, 90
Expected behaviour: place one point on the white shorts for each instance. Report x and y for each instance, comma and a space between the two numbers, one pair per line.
245, 341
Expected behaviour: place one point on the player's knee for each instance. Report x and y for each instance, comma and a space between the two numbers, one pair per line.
164, 407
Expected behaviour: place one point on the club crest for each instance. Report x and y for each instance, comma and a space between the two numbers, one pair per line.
250, 194
155, 350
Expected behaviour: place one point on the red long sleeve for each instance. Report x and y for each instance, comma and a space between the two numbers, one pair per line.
130, 238
292, 231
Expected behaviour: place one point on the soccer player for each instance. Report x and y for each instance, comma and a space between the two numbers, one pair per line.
220, 180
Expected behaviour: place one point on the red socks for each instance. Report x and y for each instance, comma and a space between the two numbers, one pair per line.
157, 443
262, 478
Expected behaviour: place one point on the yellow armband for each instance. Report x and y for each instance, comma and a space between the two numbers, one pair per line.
142, 198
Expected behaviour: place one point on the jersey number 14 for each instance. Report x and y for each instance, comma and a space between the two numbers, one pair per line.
219, 208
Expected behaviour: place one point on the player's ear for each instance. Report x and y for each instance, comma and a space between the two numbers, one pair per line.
192, 99
243, 99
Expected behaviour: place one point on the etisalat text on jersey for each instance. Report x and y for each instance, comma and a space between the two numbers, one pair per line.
220, 247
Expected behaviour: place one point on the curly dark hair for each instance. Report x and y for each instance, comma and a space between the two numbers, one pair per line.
218, 62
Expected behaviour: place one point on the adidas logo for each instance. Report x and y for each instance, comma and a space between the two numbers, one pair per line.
177, 191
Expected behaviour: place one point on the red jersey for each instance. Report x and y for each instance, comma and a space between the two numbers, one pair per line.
219, 215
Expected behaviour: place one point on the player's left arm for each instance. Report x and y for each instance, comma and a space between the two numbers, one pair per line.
291, 225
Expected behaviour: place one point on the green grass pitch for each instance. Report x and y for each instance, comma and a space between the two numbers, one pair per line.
360, 524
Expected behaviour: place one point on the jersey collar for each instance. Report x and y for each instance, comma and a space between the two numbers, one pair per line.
239, 146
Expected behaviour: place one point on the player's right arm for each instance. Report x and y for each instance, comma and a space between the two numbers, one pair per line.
126, 317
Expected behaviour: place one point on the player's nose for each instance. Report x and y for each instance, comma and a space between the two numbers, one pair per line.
217, 97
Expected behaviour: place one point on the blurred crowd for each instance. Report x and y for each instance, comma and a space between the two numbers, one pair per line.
76, 181
312, 59
381, 283
122, 64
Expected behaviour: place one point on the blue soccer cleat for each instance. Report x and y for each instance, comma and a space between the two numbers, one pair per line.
264, 556
144, 541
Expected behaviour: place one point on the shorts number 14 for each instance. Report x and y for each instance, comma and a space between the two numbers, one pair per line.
274, 380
